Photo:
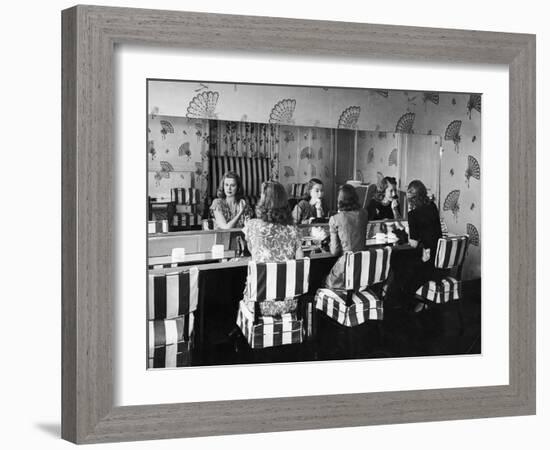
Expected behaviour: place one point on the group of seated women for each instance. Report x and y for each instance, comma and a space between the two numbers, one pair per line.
230, 210
273, 235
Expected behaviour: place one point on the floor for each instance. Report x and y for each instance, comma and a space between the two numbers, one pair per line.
402, 333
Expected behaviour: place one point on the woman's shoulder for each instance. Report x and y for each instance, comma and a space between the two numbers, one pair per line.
216, 202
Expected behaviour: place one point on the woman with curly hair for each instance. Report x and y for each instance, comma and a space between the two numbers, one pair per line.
384, 204
230, 209
348, 232
273, 237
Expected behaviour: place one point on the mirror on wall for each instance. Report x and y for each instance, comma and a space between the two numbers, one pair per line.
183, 177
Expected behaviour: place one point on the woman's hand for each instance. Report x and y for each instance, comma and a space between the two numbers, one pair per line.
394, 204
241, 208
426, 254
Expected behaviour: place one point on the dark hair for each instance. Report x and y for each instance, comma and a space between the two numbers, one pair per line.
383, 185
273, 204
310, 184
348, 200
417, 194
240, 191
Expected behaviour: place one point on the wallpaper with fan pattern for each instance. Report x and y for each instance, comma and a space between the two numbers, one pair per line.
376, 155
454, 117
305, 153
176, 155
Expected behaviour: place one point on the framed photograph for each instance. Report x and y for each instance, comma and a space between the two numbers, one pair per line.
224, 219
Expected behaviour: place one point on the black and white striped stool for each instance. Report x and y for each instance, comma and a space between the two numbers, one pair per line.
171, 304
274, 282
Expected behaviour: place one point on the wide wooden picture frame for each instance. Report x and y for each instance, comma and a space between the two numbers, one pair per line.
90, 34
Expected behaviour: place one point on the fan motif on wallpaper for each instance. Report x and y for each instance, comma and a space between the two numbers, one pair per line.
313, 170
288, 172
289, 136
283, 111
392, 159
184, 150
405, 123
203, 105
165, 128
452, 133
474, 103
370, 155
327, 172
320, 154
451, 203
473, 234
472, 170
349, 117
432, 97
164, 172
306, 153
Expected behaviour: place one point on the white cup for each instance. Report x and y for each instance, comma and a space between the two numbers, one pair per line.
217, 251
178, 254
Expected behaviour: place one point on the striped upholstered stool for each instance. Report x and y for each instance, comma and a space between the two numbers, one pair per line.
170, 342
157, 226
171, 304
356, 303
298, 190
274, 282
349, 310
186, 201
450, 255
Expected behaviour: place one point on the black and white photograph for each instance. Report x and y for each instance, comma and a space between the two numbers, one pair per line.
310, 223
275, 225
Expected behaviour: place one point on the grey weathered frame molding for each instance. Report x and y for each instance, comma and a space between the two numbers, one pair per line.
89, 36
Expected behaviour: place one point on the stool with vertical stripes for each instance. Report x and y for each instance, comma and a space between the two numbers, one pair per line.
157, 226
356, 303
186, 201
171, 305
271, 282
298, 190
450, 255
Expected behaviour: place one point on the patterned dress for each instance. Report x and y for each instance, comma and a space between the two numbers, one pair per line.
229, 211
270, 242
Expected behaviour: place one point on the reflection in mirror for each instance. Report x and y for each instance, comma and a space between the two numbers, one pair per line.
184, 185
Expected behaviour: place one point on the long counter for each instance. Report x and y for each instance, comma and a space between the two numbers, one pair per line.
161, 244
